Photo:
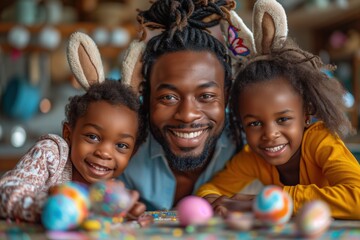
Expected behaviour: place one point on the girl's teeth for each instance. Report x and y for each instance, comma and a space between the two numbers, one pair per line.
275, 149
99, 168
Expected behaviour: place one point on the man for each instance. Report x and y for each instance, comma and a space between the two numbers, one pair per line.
187, 79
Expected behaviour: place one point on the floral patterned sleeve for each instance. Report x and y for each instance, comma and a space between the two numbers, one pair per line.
23, 190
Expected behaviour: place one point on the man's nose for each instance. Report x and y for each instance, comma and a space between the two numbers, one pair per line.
188, 111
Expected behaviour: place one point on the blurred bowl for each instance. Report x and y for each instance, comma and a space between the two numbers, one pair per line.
20, 99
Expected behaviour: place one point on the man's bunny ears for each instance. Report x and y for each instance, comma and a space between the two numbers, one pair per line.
85, 60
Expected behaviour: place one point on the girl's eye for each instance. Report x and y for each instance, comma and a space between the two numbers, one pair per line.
93, 137
283, 119
255, 124
122, 146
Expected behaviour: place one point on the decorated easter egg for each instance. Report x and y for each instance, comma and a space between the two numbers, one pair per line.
61, 213
79, 192
67, 206
109, 198
273, 206
193, 210
98, 222
242, 221
313, 219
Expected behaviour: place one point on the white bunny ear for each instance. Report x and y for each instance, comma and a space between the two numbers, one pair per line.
238, 37
84, 60
270, 27
132, 65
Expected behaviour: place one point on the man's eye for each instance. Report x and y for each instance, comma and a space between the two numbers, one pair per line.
207, 96
168, 99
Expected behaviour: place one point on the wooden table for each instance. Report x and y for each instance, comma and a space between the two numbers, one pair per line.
170, 229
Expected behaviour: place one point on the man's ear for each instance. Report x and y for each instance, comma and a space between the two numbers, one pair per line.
66, 132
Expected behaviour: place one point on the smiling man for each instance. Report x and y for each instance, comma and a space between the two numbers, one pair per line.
187, 79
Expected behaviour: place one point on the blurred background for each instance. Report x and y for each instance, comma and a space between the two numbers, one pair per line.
36, 82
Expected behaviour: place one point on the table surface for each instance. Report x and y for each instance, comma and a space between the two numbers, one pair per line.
167, 227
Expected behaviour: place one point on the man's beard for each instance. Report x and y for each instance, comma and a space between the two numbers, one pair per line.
189, 162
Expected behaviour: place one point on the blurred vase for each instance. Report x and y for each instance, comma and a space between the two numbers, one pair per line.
54, 11
26, 11
21, 99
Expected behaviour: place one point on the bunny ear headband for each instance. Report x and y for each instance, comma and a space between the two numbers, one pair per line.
84, 60
269, 32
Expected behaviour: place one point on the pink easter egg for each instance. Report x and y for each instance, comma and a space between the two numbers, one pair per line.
273, 206
194, 210
313, 219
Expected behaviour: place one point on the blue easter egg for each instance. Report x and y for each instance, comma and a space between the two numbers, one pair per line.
60, 213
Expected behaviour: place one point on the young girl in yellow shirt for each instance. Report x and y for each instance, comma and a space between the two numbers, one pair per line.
274, 97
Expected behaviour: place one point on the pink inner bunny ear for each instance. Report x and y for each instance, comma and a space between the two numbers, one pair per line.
132, 65
269, 25
268, 32
88, 67
84, 60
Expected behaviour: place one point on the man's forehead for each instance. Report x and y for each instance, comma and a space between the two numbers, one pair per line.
200, 85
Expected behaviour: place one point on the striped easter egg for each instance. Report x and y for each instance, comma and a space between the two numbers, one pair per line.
273, 206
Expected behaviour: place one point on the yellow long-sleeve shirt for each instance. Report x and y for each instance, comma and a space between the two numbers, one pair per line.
328, 171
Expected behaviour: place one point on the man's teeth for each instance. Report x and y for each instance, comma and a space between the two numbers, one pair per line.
99, 168
275, 149
188, 135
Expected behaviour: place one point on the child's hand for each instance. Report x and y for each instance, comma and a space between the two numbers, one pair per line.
217, 203
223, 204
240, 202
137, 208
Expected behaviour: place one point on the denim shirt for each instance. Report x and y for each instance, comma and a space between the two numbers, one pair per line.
148, 172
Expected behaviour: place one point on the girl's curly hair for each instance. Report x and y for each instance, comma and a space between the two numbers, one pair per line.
113, 92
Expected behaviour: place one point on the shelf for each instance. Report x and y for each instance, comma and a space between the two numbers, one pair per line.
66, 30
315, 18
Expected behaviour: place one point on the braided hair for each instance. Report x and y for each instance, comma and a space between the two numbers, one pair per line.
184, 25
322, 95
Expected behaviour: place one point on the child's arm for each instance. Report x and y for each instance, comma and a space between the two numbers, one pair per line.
223, 191
333, 175
24, 189
241, 171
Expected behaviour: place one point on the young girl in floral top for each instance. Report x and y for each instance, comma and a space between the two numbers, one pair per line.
102, 130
